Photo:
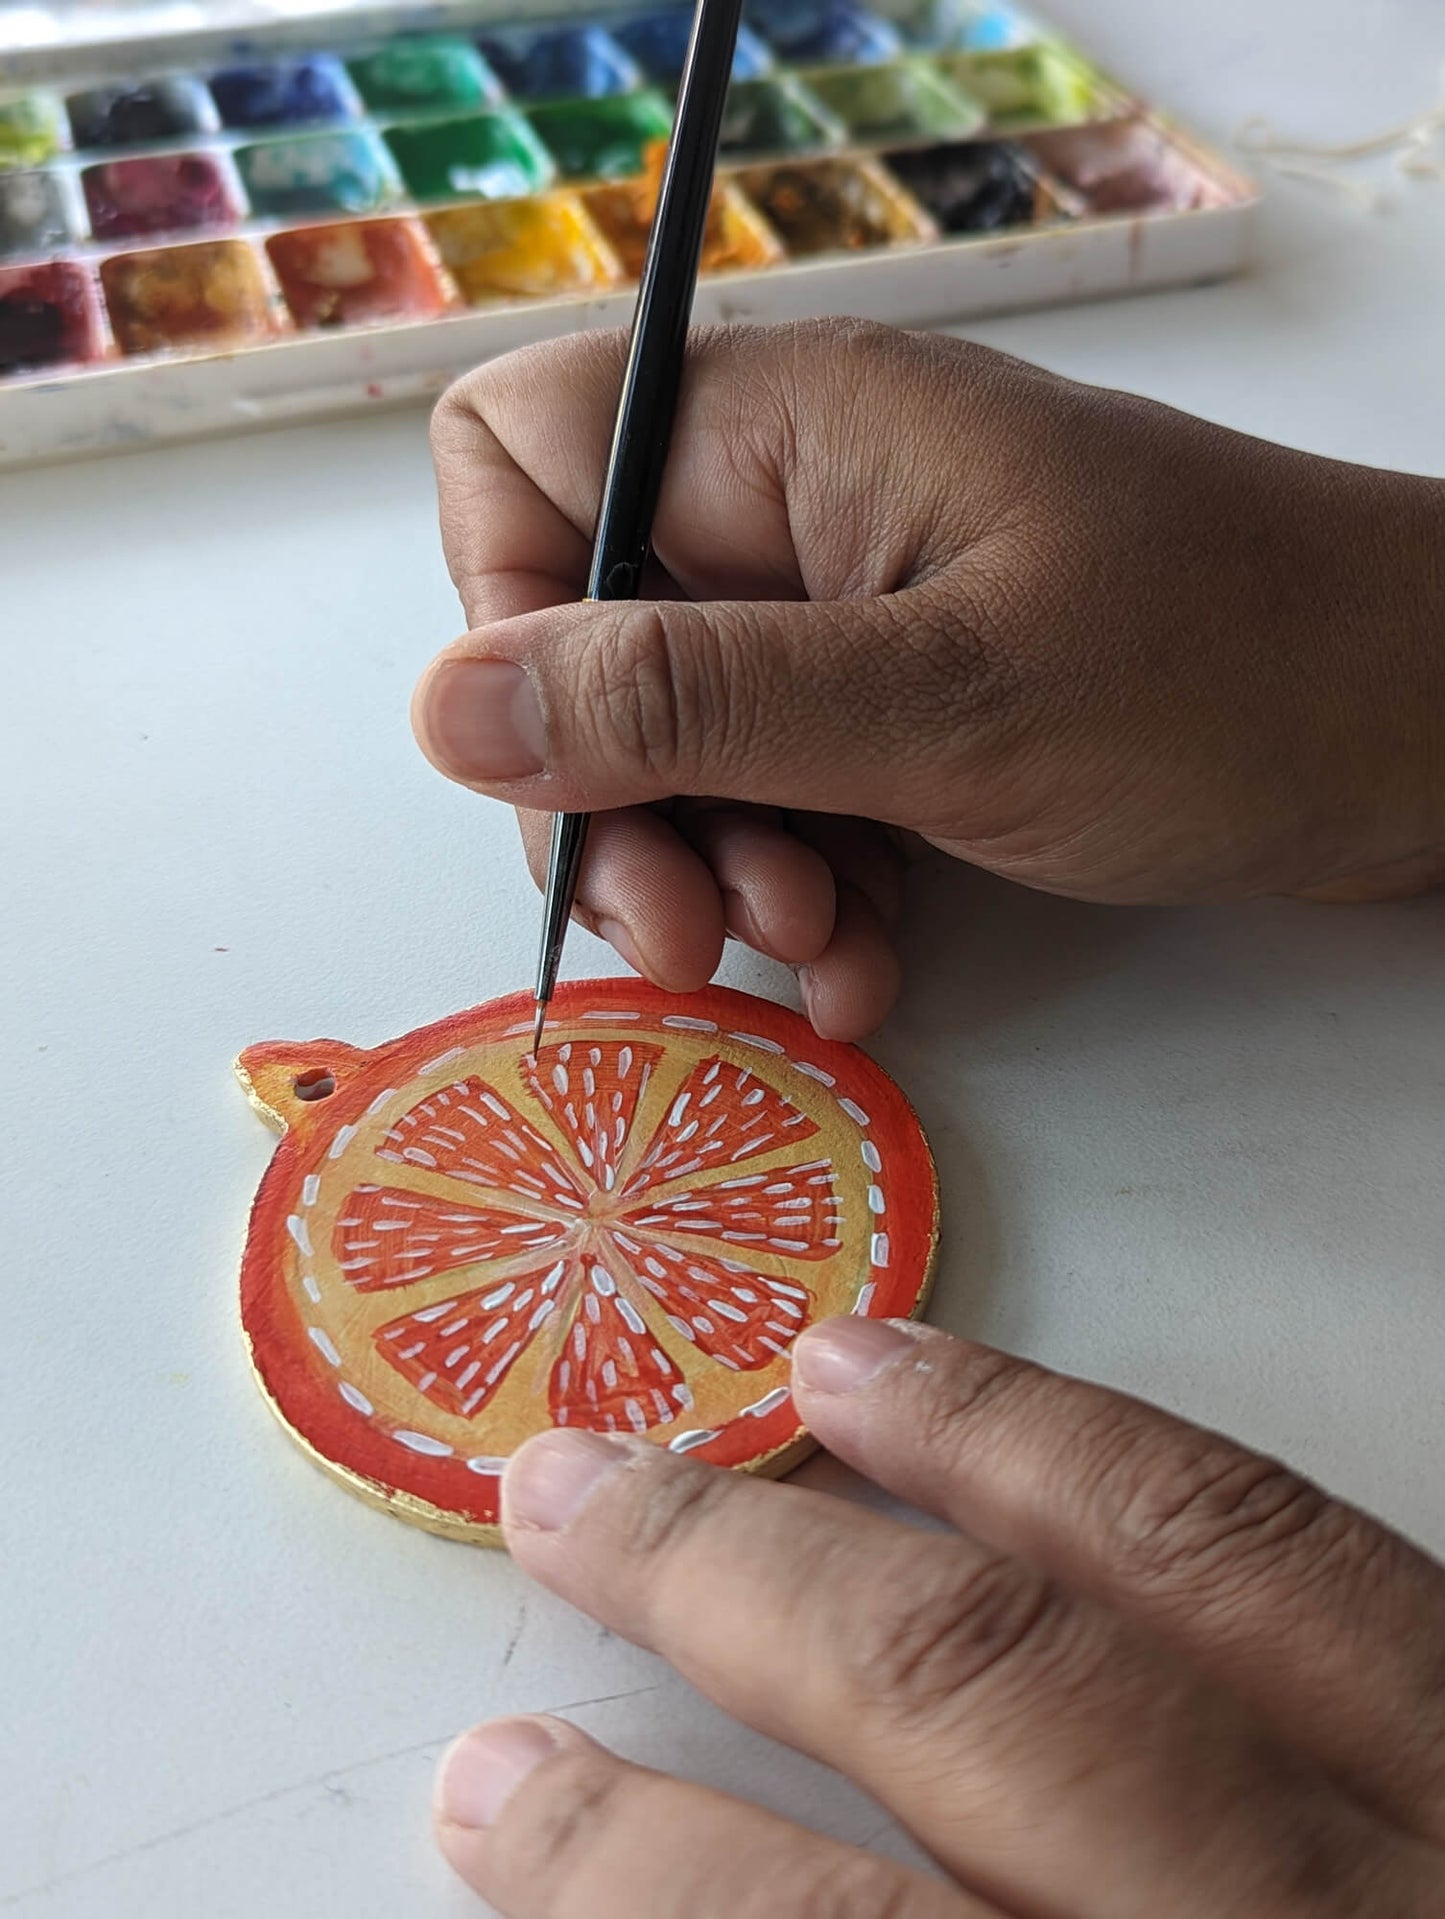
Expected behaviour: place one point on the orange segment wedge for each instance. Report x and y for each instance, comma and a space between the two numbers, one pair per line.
456, 1246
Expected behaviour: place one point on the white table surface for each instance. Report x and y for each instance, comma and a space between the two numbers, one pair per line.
1197, 1154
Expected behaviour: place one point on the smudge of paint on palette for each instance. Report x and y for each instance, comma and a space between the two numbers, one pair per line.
425, 72
283, 93
127, 115
776, 116
985, 187
1126, 167
736, 236
32, 130
658, 43
169, 193
48, 316
359, 273
524, 249
603, 139
318, 173
825, 30
834, 205
902, 100
582, 63
496, 156
210, 294
34, 214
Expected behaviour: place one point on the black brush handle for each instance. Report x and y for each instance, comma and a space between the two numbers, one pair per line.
648, 402
664, 305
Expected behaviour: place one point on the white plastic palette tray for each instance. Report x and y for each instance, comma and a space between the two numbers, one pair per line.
1097, 227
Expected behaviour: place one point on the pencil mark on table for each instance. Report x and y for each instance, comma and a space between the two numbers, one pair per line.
519, 1626
328, 1781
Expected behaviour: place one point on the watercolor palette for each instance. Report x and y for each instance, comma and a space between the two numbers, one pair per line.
201, 232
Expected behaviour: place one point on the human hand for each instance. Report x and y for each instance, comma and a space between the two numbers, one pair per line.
1149, 1674
906, 583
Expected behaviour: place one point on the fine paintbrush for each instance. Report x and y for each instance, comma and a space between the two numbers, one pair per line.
649, 399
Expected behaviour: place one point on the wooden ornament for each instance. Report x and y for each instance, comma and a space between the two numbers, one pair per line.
456, 1246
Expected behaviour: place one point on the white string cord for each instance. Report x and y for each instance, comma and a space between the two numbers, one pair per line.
1413, 145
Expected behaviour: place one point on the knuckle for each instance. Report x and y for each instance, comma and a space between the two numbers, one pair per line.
669, 1505
836, 1885
941, 1629
548, 1836
659, 694
1213, 1513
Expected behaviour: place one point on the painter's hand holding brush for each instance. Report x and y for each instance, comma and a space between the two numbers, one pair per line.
902, 582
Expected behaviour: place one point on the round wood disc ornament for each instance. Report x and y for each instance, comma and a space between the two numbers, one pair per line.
457, 1246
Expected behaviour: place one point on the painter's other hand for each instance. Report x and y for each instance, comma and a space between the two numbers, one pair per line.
1141, 1671
906, 583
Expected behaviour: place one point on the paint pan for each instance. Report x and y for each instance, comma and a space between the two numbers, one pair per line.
582, 63
426, 73
33, 129
902, 100
1039, 86
825, 32
284, 93
831, 206
138, 113
602, 139
776, 116
493, 156
349, 172
382, 194
988, 186
1127, 166
211, 294
524, 249
658, 44
964, 24
48, 317
736, 238
356, 274
159, 193
35, 214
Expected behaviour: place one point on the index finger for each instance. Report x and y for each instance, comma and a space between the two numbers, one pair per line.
520, 447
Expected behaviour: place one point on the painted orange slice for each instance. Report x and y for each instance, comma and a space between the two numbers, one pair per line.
456, 1245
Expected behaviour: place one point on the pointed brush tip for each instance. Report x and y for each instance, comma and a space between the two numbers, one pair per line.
537, 1030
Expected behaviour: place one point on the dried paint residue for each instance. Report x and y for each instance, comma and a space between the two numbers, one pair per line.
212, 294
835, 205
1127, 167
524, 249
603, 139
348, 275
48, 316
904, 100
34, 216
166, 194
985, 187
317, 173
139, 111
736, 236
32, 129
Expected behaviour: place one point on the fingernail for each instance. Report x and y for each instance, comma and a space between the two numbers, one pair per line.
550, 1480
621, 942
843, 1354
738, 919
483, 721
484, 1768
808, 990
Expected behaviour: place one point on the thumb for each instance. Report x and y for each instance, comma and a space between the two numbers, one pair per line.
848, 706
